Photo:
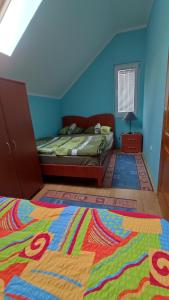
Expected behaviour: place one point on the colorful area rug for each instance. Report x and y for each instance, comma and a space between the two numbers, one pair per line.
127, 171
53, 198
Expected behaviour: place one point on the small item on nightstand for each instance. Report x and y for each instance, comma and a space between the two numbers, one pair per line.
132, 142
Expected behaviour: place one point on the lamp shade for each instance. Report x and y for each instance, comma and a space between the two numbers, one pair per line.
130, 116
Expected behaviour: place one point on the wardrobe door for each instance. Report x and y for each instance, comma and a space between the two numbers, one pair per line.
9, 185
19, 124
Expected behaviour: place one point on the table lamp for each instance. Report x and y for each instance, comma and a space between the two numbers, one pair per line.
129, 117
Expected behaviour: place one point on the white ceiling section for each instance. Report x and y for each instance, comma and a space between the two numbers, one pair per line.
65, 36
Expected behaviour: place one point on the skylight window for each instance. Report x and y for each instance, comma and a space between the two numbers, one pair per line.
14, 22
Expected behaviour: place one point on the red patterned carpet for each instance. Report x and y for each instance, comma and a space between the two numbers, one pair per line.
52, 198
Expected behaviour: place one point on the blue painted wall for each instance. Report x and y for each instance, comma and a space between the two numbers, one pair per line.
94, 92
155, 80
46, 115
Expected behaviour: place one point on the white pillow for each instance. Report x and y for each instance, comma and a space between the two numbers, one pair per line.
72, 128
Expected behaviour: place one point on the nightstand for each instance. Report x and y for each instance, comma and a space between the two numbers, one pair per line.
132, 142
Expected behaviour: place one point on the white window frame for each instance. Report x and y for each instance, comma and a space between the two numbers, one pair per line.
124, 67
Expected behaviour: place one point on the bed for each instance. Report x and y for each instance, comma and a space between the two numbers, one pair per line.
86, 165
70, 252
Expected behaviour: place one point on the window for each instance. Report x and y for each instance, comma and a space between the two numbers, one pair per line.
126, 88
15, 16
3, 7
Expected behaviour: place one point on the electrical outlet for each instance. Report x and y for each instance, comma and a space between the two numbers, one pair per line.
151, 148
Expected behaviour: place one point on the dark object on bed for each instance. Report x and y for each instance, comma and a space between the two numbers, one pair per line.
77, 170
67, 130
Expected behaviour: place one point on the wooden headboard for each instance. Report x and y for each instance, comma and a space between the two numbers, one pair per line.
103, 119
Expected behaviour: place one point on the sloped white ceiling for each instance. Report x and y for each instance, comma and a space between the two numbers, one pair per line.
65, 36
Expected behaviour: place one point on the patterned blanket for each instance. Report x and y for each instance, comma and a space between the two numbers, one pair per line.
68, 252
82, 145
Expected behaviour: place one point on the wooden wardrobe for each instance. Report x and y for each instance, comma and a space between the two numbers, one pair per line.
20, 174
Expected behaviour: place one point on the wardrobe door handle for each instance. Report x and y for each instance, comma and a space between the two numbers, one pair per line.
14, 143
9, 147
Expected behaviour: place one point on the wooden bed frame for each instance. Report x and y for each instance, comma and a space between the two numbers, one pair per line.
95, 172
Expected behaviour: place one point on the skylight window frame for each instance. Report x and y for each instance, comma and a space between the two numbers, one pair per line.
14, 23
3, 9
